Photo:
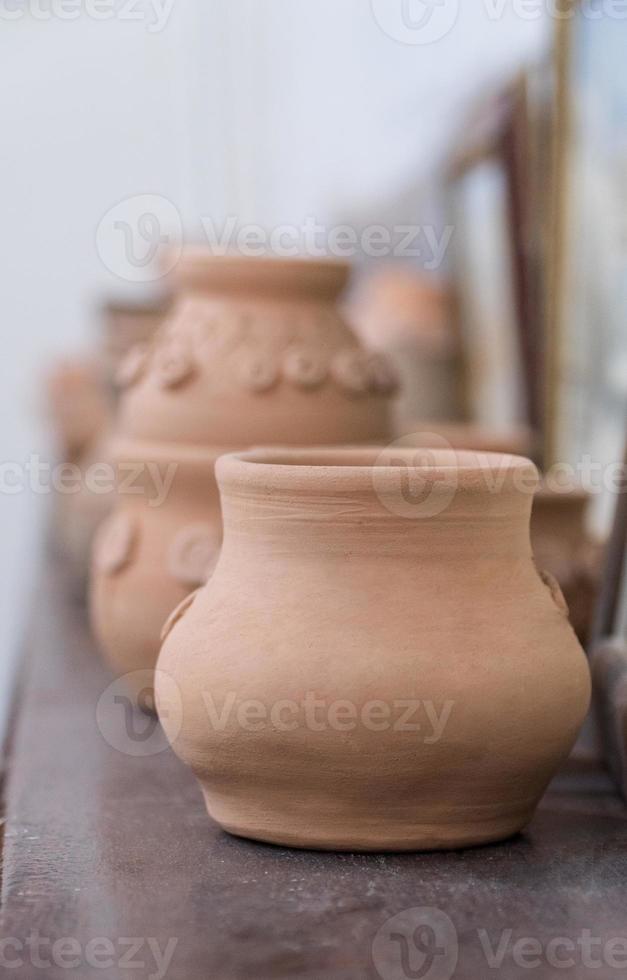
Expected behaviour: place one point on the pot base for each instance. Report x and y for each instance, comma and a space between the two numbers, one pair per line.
363, 834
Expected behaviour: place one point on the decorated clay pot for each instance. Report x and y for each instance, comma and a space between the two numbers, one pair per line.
161, 542
124, 327
375, 663
562, 545
253, 352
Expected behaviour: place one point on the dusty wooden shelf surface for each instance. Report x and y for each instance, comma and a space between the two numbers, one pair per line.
101, 848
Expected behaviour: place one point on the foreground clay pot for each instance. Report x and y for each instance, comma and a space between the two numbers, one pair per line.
390, 596
254, 352
161, 542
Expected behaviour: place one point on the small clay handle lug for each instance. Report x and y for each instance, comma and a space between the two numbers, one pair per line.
177, 614
556, 592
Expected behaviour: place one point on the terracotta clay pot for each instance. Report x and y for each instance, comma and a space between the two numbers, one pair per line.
255, 351
77, 407
124, 327
161, 542
563, 547
518, 441
78, 411
392, 596
408, 316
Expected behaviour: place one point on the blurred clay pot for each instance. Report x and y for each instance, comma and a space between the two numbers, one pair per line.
124, 326
79, 413
563, 547
161, 542
77, 408
408, 316
337, 586
254, 352
518, 441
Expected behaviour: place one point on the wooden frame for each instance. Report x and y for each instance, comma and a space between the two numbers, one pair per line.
581, 394
497, 156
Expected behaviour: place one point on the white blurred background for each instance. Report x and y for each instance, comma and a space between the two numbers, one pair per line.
265, 110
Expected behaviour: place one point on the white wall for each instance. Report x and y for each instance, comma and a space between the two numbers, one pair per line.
269, 110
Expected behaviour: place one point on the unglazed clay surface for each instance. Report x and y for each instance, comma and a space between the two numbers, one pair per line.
255, 351
124, 328
563, 547
376, 662
79, 410
162, 541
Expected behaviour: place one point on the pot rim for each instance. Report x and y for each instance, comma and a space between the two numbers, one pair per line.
199, 268
353, 467
127, 450
572, 491
517, 440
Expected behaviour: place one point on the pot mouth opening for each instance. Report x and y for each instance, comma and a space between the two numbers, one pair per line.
356, 467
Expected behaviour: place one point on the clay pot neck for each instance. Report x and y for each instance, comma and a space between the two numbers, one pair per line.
403, 503
200, 272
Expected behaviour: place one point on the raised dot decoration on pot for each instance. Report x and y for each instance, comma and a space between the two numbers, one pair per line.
304, 368
257, 370
114, 543
173, 365
178, 614
133, 366
350, 369
193, 554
